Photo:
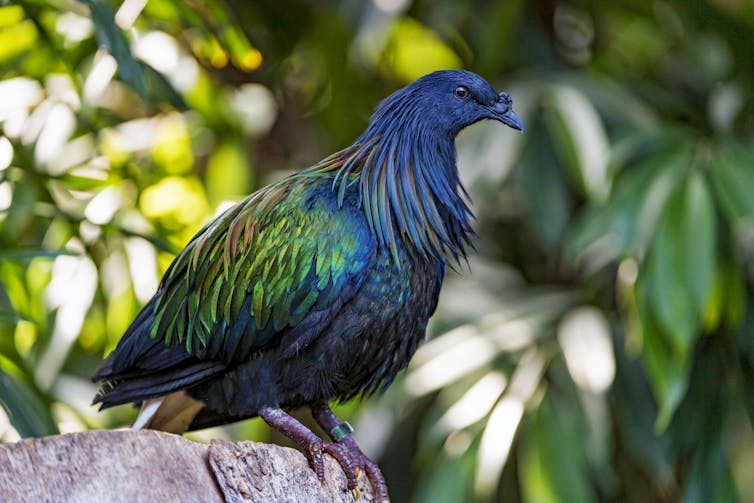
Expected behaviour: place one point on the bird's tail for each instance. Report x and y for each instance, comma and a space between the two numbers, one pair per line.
172, 413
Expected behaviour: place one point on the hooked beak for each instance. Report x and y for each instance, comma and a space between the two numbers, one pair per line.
502, 110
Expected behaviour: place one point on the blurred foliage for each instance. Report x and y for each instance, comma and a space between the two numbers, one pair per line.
602, 349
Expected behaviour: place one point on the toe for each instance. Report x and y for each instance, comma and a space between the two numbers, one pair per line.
378, 481
346, 461
317, 461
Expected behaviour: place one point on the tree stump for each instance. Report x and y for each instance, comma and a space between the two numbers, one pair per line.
149, 466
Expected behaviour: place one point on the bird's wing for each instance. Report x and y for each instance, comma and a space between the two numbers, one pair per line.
274, 269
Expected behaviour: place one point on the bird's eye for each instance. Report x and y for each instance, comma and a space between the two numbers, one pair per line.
461, 92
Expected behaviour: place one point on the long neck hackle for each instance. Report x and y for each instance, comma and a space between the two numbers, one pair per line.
409, 190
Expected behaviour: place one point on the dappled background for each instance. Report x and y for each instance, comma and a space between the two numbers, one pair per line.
601, 348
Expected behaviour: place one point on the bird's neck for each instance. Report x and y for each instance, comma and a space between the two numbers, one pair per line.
410, 193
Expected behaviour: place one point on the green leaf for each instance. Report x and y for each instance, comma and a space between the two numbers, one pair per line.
27, 412
554, 436
6, 306
547, 201
734, 284
635, 420
580, 140
700, 239
701, 414
161, 88
17, 40
414, 50
681, 264
496, 30
645, 144
732, 175
711, 478
745, 349
84, 183
10, 15
667, 369
449, 480
628, 219
747, 386
27, 254
228, 174
110, 36
696, 430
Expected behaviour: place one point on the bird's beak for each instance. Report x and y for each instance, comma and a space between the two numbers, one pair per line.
502, 110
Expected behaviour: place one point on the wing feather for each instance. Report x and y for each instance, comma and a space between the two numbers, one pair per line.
272, 270
282, 255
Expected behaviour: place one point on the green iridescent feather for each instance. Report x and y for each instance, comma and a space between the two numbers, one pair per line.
265, 264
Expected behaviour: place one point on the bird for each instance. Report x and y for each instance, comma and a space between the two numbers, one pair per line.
316, 288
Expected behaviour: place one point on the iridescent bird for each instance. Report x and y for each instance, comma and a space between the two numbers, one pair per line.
314, 288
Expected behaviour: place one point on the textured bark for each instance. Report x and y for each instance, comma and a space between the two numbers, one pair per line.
145, 466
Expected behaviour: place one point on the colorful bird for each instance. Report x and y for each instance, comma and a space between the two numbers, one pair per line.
314, 288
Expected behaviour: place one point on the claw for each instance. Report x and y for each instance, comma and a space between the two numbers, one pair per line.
357, 460
369, 467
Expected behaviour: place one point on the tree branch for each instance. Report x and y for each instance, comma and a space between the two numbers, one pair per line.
128, 466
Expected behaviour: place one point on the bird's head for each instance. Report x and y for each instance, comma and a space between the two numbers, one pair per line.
406, 161
448, 101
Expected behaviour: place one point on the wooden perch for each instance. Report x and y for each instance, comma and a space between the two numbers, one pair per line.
146, 466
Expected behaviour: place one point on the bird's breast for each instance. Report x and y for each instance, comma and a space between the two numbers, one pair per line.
375, 334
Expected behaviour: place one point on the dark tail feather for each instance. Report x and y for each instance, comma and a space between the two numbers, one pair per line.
144, 387
207, 418
141, 367
134, 343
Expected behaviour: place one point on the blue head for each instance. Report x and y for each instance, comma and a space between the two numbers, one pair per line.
406, 161
445, 101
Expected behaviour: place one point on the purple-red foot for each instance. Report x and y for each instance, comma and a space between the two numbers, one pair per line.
370, 468
339, 453
344, 451
353, 462
341, 433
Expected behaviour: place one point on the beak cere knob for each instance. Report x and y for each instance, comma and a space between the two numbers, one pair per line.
504, 102
503, 111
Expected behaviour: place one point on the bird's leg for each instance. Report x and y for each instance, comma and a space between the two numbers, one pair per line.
311, 443
341, 433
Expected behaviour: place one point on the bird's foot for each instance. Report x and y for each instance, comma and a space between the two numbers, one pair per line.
353, 462
340, 454
341, 433
370, 468
345, 452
